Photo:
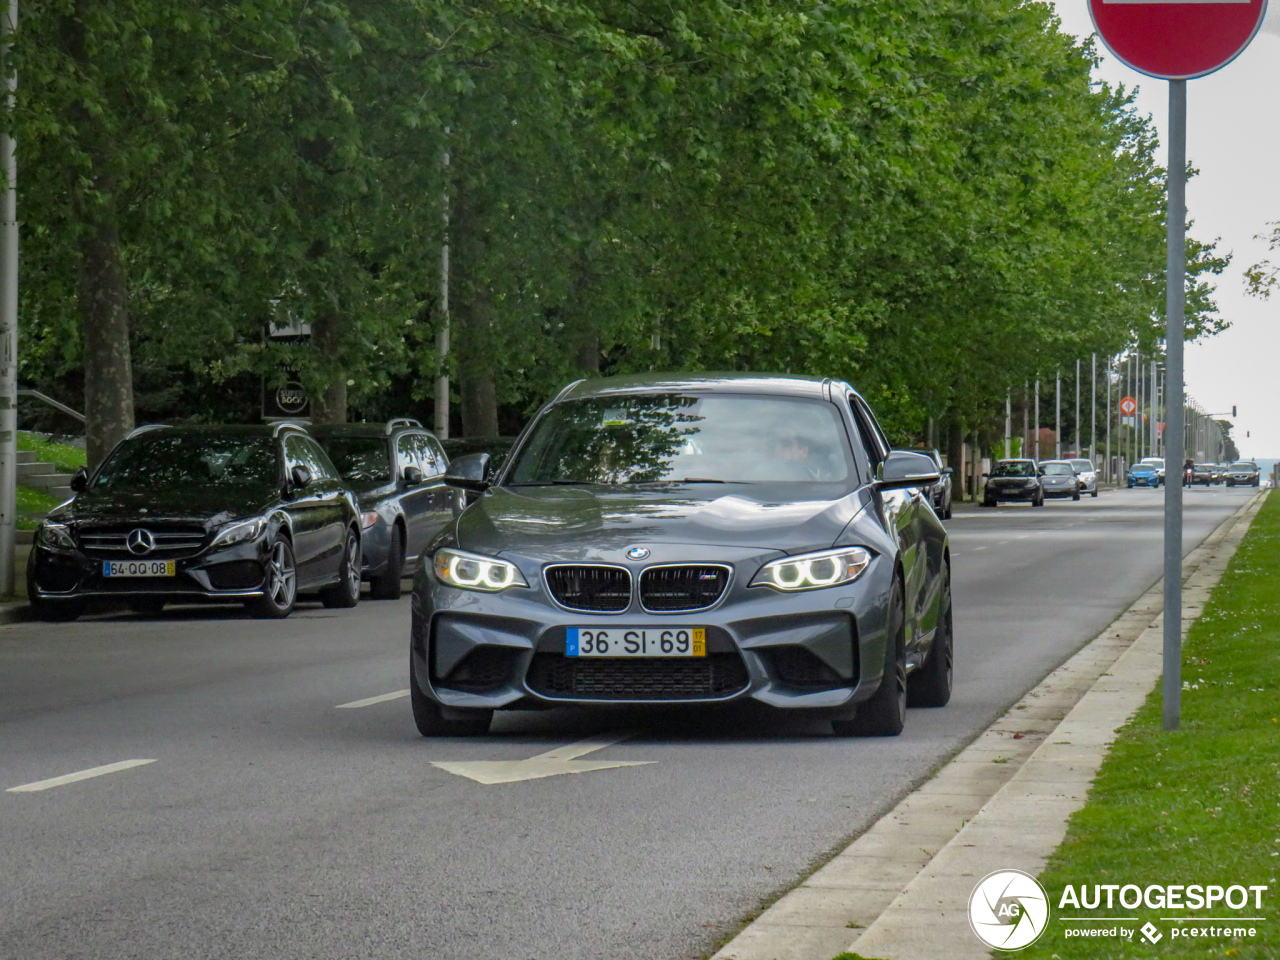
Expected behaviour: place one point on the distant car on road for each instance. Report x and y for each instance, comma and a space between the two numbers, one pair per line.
1016, 480
940, 492
1244, 473
1220, 472
397, 473
1087, 474
1143, 474
253, 514
1058, 479
675, 539
1158, 463
1202, 473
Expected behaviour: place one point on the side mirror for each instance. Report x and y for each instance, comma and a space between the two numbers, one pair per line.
412, 476
470, 473
300, 476
947, 471
902, 469
80, 480
986, 476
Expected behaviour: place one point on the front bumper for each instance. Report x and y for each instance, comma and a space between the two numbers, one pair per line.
1018, 493
821, 650
215, 573
1151, 481
1054, 493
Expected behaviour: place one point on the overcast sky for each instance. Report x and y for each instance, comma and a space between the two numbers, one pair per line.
1233, 138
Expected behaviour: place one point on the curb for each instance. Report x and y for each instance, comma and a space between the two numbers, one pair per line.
1002, 802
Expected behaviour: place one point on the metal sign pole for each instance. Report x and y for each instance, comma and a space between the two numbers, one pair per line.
1175, 332
8, 318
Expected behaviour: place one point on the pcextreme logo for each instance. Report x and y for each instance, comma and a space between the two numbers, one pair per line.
1008, 910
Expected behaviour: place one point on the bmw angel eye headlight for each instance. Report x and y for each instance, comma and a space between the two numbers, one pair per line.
55, 535
240, 532
470, 571
811, 571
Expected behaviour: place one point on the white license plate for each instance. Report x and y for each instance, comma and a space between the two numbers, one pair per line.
635, 642
138, 568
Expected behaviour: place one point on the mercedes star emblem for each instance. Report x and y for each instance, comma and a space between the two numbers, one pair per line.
140, 541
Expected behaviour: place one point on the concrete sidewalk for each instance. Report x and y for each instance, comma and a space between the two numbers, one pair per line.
901, 890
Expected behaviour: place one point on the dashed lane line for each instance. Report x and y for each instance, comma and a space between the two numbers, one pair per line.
76, 777
370, 701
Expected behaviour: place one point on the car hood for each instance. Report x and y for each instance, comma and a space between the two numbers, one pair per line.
210, 506
570, 522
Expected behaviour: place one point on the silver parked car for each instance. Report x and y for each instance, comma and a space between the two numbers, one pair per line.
1087, 474
1058, 479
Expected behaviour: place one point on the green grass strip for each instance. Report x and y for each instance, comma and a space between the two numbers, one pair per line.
33, 505
65, 458
1201, 805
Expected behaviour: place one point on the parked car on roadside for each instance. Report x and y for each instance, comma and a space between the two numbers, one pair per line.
252, 514
396, 470
940, 492
1016, 480
677, 539
1244, 473
1143, 474
1087, 474
1058, 479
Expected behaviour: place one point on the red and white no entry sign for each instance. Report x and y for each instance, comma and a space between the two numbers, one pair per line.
1177, 39
1128, 406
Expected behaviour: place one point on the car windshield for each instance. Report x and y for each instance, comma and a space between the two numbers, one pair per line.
670, 438
1058, 470
1142, 467
1244, 465
1083, 466
155, 461
1154, 461
359, 458
1017, 468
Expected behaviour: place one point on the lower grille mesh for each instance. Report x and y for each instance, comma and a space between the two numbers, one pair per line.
655, 678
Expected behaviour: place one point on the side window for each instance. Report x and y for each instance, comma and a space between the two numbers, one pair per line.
432, 465
305, 452
406, 456
873, 439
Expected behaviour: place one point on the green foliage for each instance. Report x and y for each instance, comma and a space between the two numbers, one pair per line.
929, 198
63, 457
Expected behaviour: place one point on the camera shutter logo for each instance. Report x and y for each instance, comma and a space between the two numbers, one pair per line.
140, 542
1008, 910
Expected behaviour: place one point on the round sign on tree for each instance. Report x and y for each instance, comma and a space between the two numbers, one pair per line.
1177, 39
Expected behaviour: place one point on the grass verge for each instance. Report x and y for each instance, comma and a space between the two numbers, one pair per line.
1197, 806
33, 505
66, 458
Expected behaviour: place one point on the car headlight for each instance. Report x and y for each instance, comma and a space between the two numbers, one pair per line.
470, 571
55, 535
367, 520
827, 568
240, 532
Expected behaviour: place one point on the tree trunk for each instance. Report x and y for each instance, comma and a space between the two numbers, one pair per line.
589, 353
104, 325
471, 307
329, 405
955, 458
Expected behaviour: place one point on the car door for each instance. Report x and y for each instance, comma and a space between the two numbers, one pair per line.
444, 499
416, 499
317, 541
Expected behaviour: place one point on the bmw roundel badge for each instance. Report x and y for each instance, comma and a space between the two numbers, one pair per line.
637, 553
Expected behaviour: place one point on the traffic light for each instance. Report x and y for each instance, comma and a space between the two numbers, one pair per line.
1233, 411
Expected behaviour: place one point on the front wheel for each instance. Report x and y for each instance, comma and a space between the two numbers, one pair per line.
387, 586
280, 585
346, 592
1076, 495
885, 714
930, 686
431, 721
1038, 502
1094, 493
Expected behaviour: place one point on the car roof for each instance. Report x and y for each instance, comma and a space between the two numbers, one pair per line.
1017, 460
364, 429
712, 382
221, 430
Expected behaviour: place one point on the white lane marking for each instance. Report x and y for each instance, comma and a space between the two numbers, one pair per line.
370, 701
75, 777
976, 549
561, 760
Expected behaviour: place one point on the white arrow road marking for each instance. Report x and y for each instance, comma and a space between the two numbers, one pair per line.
549, 764
370, 701
74, 777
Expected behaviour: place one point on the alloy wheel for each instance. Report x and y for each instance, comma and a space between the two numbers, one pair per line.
282, 576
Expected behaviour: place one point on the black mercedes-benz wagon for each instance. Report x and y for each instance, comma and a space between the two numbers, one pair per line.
689, 540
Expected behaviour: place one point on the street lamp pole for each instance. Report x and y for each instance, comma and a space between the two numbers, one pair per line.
8, 316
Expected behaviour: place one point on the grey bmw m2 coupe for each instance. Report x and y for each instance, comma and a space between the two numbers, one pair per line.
689, 539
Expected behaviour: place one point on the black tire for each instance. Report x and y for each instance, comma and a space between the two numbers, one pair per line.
1231, 483
346, 592
431, 722
947, 514
280, 582
1075, 496
148, 605
1039, 501
885, 714
1094, 493
988, 501
387, 586
930, 686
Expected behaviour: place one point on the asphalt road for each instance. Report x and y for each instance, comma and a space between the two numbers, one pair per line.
273, 824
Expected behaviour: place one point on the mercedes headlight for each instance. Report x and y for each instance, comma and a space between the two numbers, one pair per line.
470, 571
55, 535
827, 568
240, 532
